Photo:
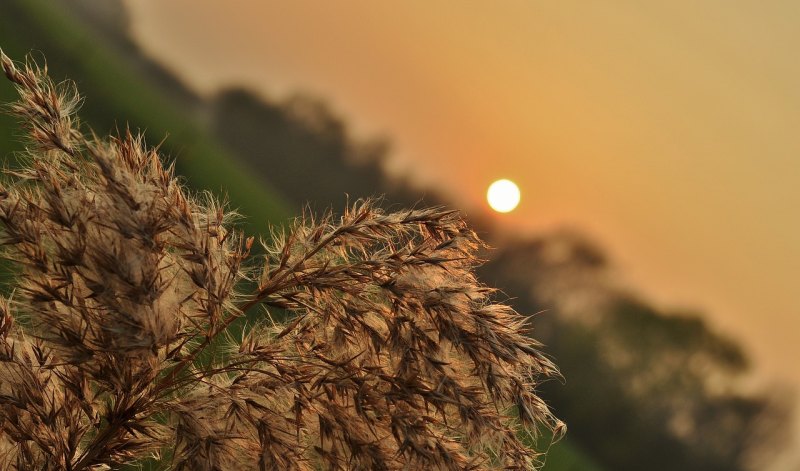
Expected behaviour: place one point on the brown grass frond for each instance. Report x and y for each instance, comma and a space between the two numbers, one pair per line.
117, 345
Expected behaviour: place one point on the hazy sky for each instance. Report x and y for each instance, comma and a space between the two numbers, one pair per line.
669, 132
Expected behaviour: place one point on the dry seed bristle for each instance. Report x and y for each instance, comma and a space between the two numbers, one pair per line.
394, 355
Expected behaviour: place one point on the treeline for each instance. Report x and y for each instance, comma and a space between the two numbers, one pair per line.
644, 388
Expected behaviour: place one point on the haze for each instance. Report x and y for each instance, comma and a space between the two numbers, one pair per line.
667, 132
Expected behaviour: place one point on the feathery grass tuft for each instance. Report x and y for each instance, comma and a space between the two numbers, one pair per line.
394, 355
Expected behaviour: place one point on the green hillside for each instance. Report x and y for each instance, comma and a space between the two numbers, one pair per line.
116, 97
563, 456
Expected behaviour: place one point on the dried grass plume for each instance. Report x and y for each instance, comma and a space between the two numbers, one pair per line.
120, 341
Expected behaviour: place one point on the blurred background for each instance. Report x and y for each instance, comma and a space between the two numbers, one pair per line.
654, 144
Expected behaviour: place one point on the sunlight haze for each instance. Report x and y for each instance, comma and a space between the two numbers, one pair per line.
668, 132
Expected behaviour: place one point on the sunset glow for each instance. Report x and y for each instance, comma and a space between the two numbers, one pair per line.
663, 131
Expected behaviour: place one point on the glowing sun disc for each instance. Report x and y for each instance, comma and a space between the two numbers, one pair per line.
503, 195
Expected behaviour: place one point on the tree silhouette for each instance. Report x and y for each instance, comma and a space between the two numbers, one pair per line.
643, 387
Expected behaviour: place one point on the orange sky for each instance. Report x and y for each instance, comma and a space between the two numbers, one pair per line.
669, 132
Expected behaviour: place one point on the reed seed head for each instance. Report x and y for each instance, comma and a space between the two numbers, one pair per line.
117, 344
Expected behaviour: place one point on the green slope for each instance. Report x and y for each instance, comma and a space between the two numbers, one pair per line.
564, 456
116, 97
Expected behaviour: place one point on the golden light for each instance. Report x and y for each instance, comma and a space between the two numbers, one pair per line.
503, 195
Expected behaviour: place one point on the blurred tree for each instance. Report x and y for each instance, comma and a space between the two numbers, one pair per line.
643, 387
301, 137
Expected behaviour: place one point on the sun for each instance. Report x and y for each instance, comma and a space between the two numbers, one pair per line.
503, 195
